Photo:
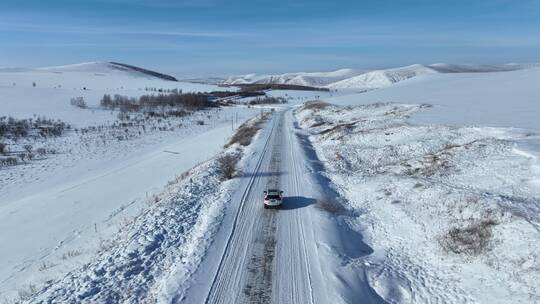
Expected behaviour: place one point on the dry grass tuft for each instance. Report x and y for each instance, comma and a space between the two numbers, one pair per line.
315, 105
245, 133
331, 205
472, 239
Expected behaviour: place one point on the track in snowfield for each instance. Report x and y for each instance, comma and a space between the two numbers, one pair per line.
275, 256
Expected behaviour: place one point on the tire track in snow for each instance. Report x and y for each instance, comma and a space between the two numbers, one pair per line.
258, 288
293, 263
229, 271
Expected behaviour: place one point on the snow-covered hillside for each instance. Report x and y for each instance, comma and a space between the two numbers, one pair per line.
451, 212
47, 91
477, 68
381, 78
506, 99
362, 80
444, 170
314, 79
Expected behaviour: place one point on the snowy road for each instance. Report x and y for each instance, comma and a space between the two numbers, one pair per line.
296, 254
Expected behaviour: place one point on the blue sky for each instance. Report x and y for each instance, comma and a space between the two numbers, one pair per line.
215, 37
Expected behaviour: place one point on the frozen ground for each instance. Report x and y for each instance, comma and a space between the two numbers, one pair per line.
451, 212
380, 205
155, 252
58, 209
296, 254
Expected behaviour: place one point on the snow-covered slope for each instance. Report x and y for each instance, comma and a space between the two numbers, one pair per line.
57, 205
476, 68
302, 78
357, 79
450, 212
47, 91
382, 78
107, 68
506, 99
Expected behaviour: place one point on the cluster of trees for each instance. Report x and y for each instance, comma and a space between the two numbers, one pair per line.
188, 101
14, 128
160, 90
222, 94
276, 86
79, 102
268, 100
28, 152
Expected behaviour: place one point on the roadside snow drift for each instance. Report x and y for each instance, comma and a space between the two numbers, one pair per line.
451, 212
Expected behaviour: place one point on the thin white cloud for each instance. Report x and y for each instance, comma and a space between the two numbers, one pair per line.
67, 29
165, 3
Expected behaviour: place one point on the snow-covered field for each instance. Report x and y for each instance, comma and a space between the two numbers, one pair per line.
451, 211
437, 167
155, 251
55, 86
502, 99
58, 209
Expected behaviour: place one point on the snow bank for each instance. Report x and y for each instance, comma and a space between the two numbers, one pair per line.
448, 210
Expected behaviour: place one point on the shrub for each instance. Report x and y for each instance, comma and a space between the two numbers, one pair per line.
18, 128
27, 292
41, 151
71, 254
331, 205
8, 161
227, 165
472, 239
45, 265
268, 100
315, 105
3, 148
245, 133
79, 102
28, 148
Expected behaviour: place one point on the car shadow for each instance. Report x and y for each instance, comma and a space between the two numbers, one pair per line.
296, 202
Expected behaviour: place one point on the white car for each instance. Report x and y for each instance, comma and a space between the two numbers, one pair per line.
272, 198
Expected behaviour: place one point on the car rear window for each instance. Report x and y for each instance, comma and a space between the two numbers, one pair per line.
272, 196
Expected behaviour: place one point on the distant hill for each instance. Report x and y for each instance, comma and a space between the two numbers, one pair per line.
382, 78
106, 67
310, 79
367, 80
144, 71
